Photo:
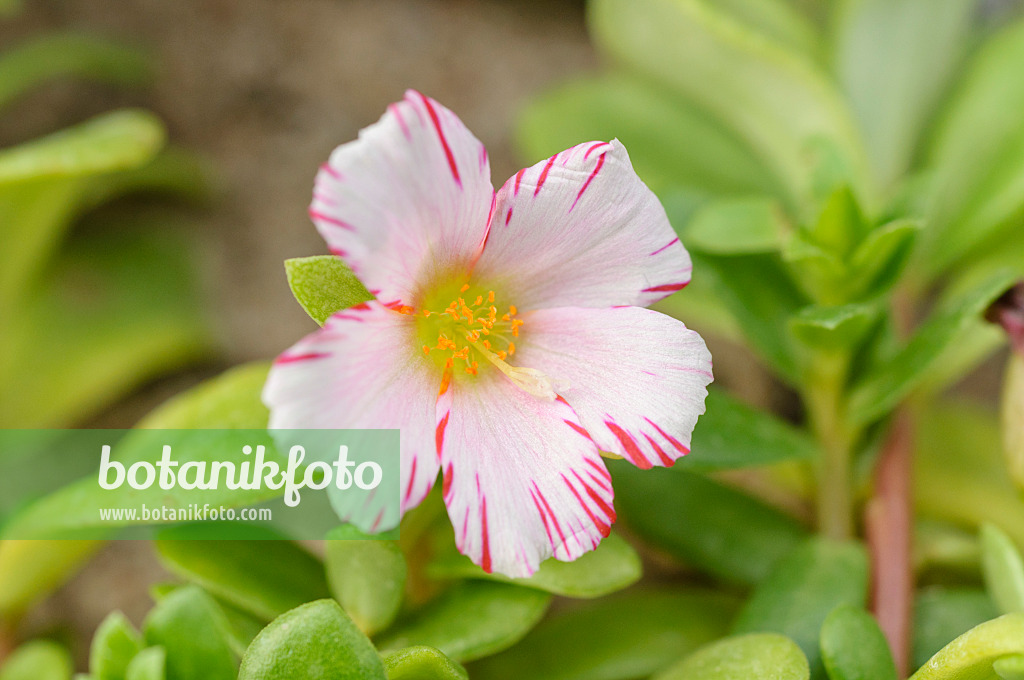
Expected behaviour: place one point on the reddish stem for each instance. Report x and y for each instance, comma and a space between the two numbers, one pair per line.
889, 525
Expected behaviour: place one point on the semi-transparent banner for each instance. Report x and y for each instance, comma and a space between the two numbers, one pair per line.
198, 484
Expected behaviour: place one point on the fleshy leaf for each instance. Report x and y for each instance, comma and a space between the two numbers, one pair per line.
973, 654
725, 533
774, 98
473, 619
958, 455
840, 327
368, 578
743, 657
231, 400
732, 434
802, 589
737, 226
262, 577
30, 569
1003, 568
671, 143
626, 636
314, 640
853, 647
894, 59
114, 645
128, 300
611, 567
111, 141
1010, 667
889, 381
323, 285
38, 660
941, 614
149, 664
422, 663
189, 625
979, 155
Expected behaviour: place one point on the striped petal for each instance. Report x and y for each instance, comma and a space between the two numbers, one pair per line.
636, 378
581, 229
408, 201
361, 371
522, 480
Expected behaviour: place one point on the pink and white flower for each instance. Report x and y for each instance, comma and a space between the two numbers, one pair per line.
508, 340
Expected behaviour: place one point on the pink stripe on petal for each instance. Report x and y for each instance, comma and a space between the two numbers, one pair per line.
292, 358
666, 288
671, 440
594, 147
332, 172
633, 452
666, 246
664, 457
544, 174
508, 216
593, 174
444, 141
397, 113
519, 178
317, 215
485, 561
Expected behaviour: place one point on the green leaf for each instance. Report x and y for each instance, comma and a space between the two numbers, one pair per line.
1010, 667
979, 155
894, 59
626, 636
471, 620
853, 647
192, 629
781, 21
941, 614
128, 299
68, 55
316, 640
324, 285
775, 99
108, 142
1003, 568
736, 226
972, 654
833, 328
880, 258
368, 579
732, 434
611, 567
229, 401
262, 577
764, 656
38, 660
114, 645
31, 569
149, 664
888, 382
757, 291
801, 591
422, 663
958, 456
723, 532
670, 141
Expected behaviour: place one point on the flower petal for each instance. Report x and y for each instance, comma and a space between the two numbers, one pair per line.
581, 229
636, 378
359, 371
406, 202
522, 480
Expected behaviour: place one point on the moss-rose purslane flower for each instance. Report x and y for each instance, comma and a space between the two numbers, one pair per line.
508, 340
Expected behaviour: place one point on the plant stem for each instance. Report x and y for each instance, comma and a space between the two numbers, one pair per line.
825, 404
889, 524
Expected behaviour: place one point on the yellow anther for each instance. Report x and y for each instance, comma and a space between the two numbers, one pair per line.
426, 350
490, 296
464, 288
511, 348
512, 310
479, 300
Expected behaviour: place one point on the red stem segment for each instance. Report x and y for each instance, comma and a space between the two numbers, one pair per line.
889, 525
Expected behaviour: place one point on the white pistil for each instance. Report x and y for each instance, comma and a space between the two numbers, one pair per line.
530, 380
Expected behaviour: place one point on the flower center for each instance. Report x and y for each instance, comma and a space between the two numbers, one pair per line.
471, 333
